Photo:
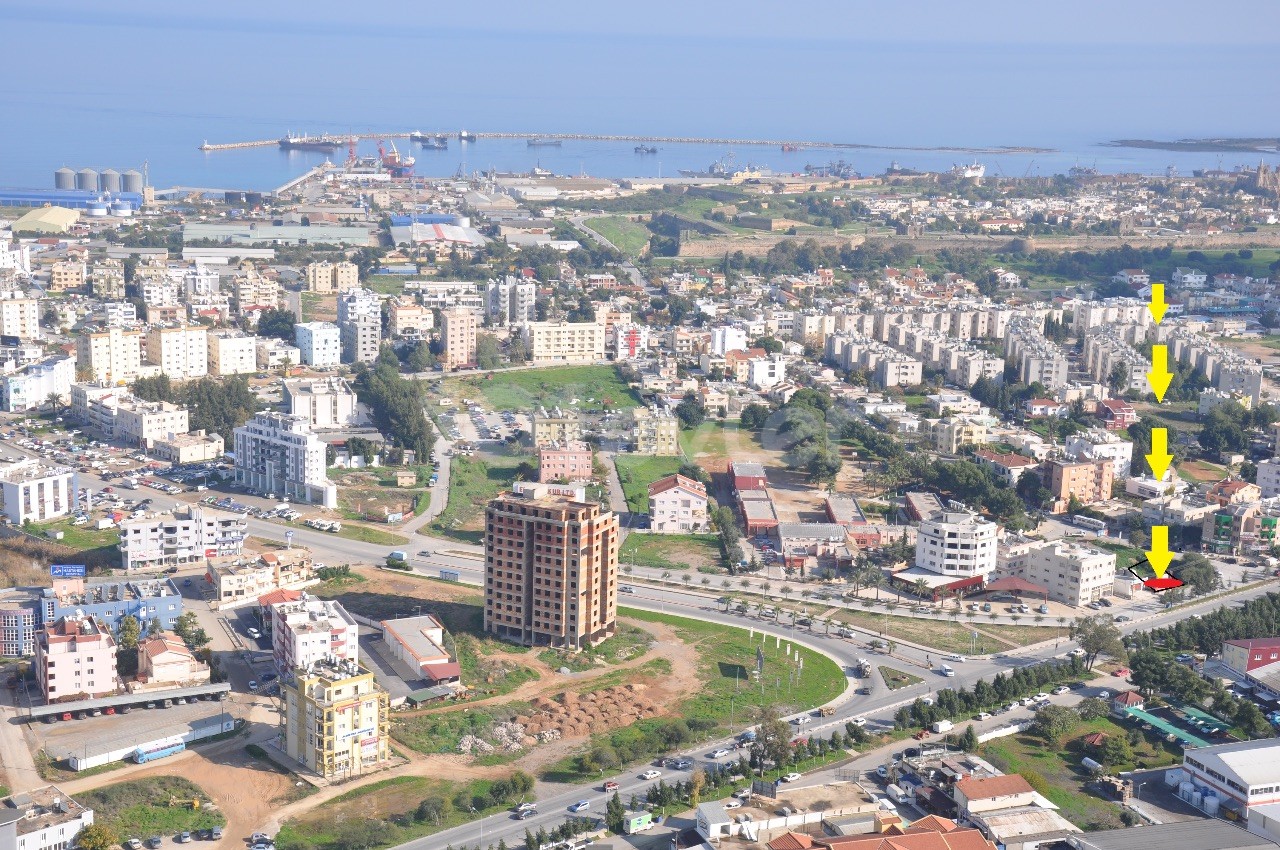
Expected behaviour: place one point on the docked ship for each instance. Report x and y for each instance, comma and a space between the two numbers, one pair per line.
543, 143
720, 168
897, 170
975, 170
839, 170
437, 142
788, 147
309, 143
464, 136
646, 149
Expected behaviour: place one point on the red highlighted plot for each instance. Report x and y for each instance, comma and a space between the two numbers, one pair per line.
1159, 584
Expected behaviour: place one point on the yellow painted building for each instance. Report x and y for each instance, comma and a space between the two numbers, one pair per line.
337, 719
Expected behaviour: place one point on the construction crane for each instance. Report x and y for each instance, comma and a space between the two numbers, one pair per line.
351, 152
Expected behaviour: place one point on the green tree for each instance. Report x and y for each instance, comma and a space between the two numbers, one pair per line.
1198, 572
1098, 635
691, 411
773, 739
128, 633
97, 836
969, 739
1115, 751
278, 323
1092, 708
1053, 722
754, 416
488, 353
613, 813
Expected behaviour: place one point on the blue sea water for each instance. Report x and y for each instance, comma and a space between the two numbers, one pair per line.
105, 87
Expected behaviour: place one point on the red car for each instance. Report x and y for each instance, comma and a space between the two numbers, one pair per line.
611, 786
1122, 672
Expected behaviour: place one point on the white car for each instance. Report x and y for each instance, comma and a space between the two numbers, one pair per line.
1042, 697
859, 721
731, 804
253, 633
1076, 653
801, 720
650, 774
982, 715
791, 777
719, 754
743, 794
1060, 690
1104, 694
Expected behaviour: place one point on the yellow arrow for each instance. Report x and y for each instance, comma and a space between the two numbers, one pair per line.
1159, 457
1159, 557
1157, 305
1159, 376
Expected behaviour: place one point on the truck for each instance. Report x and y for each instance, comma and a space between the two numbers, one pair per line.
159, 750
397, 555
941, 726
747, 737
451, 575
826, 711
896, 794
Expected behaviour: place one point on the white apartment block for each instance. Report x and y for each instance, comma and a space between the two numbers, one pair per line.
31, 387
956, 544
323, 402
116, 414
458, 327
232, 353
510, 301
277, 454
15, 257
41, 819
565, 342
75, 656
412, 320
20, 317
276, 353
119, 314
1101, 444
1269, 477
332, 277
181, 353
190, 536
113, 356
1110, 311
725, 339
1074, 575
319, 343
1224, 368
766, 372
159, 292
355, 303
36, 491
630, 341
887, 367
309, 630
198, 281
1106, 351
361, 339
1036, 359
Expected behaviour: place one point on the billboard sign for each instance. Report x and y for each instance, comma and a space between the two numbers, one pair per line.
67, 570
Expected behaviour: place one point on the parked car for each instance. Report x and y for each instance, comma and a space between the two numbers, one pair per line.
253, 684
982, 715
650, 774
580, 806
791, 777
1060, 690
184, 838
731, 804
719, 754
859, 721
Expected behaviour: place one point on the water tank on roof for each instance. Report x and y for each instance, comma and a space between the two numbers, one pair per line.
1211, 806
87, 180
64, 178
96, 208
132, 181
109, 180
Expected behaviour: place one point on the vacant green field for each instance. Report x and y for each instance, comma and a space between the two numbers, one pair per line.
717, 439
581, 387
1056, 772
955, 636
368, 534
79, 537
386, 284
637, 472
1126, 556
671, 551
629, 237
473, 481
140, 808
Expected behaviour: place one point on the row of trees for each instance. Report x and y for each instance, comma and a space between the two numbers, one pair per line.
214, 405
397, 405
1152, 672
1255, 618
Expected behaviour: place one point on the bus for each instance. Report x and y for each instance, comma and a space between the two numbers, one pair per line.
159, 750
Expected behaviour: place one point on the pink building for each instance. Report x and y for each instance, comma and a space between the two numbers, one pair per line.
311, 630
76, 658
568, 461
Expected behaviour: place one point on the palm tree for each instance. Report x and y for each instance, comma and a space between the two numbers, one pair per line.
874, 578
920, 588
54, 400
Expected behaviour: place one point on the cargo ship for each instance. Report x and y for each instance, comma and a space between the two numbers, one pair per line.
309, 143
437, 142
543, 143
646, 149
973, 171
464, 136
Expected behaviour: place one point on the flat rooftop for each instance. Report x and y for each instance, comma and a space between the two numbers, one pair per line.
39, 809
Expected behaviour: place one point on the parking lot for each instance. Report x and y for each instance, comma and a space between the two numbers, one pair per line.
65, 738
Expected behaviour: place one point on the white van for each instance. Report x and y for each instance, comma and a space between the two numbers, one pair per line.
954, 659
947, 670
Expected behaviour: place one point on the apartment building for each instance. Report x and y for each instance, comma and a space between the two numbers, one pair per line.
236, 579
1268, 479
630, 341
253, 291
1007, 466
319, 343
232, 353
1088, 481
17, 627
1224, 368
458, 328
36, 491
510, 301
565, 342
556, 426
20, 317
186, 536
308, 630
1035, 358
32, 386
571, 461
109, 602
1108, 356
678, 505
143, 423
766, 372
1109, 311
323, 402
726, 339
337, 720
75, 658
277, 454
1099, 444
332, 277
953, 432
361, 339
656, 431
195, 447
887, 366
182, 353
276, 354
551, 564
67, 275
956, 544
1071, 574
42, 819
113, 356
410, 320
106, 280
